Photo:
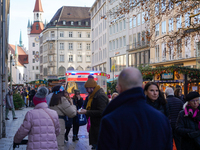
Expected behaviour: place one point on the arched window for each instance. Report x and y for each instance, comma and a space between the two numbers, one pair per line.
88, 68
62, 71
37, 15
70, 68
79, 68
19, 76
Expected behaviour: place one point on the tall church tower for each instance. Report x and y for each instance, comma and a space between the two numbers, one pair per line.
33, 31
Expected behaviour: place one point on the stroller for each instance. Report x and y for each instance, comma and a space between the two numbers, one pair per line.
16, 145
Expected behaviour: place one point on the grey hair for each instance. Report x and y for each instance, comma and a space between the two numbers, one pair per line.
169, 91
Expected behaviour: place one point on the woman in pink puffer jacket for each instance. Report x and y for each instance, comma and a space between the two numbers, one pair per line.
40, 124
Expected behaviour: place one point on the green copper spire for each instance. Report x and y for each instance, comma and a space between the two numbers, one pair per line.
20, 39
16, 51
28, 26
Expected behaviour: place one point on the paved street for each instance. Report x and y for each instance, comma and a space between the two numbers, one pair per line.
13, 125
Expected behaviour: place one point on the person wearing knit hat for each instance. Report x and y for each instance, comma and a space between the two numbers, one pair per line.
188, 122
97, 102
39, 122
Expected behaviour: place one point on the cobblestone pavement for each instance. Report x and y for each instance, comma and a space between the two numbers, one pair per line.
13, 125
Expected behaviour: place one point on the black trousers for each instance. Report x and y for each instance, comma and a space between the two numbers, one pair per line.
75, 125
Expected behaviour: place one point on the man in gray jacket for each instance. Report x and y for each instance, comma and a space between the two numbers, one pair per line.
10, 105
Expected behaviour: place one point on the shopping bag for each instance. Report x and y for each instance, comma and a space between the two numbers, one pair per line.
82, 120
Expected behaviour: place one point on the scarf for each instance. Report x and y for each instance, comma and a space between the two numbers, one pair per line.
195, 115
90, 98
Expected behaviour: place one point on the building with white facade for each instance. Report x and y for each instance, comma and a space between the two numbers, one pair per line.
65, 43
124, 38
99, 36
34, 31
18, 63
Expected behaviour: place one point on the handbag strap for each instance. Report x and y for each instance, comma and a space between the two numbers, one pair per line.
49, 116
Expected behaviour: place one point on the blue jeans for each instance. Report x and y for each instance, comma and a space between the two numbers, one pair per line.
24, 101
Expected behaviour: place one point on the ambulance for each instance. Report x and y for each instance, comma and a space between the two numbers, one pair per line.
77, 79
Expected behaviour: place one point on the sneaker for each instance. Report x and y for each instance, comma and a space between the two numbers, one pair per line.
15, 118
7, 119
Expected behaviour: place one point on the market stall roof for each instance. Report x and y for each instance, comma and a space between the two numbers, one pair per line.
191, 72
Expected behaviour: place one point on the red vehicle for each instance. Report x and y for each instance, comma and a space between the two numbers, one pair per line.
77, 79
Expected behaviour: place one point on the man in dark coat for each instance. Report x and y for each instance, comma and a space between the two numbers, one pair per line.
97, 102
175, 106
31, 95
129, 123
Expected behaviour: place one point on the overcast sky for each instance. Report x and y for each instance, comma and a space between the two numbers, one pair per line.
22, 10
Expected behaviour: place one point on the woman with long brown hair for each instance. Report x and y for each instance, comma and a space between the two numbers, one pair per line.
64, 108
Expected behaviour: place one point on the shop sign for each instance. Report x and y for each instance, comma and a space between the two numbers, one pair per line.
167, 76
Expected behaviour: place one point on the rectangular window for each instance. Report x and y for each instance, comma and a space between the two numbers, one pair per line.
171, 50
50, 57
86, 23
79, 23
179, 49
70, 45
157, 53
117, 44
37, 67
33, 60
163, 51
50, 45
114, 44
178, 23
124, 23
52, 34
62, 46
138, 19
117, 27
33, 45
163, 5
134, 21
61, 58
113, 29
33, 52
171, 26
110, 28
163, 27
72, 22
120, 42
130, 23
187, 19
143, 17
79, 45
70, 34
110, 45
70, 58
157, 9
61, 34
88, 46
120, 25
33, 68
88, 58
88, 34
79, 34
124, 40
79, 58
196, 18
157, 29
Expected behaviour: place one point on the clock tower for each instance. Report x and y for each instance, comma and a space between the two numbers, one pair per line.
34, 31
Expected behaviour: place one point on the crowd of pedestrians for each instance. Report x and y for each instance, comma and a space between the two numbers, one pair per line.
136, 117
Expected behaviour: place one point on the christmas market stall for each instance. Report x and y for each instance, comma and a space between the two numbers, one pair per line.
187, 78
